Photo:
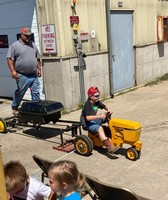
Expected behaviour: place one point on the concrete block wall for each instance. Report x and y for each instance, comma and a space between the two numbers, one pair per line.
151, 62
61, 81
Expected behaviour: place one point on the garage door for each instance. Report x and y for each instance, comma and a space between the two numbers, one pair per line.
15, 14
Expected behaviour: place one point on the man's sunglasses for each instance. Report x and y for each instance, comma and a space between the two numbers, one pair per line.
27, 36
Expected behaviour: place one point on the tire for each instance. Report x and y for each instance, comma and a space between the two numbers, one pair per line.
132, 154
83, 145
139, 154
3, 127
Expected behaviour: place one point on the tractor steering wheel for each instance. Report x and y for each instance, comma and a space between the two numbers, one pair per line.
108, 117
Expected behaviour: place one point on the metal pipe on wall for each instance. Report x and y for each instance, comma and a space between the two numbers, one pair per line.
109, 44
81, 64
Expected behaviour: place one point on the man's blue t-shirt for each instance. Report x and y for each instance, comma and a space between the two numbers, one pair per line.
74, 196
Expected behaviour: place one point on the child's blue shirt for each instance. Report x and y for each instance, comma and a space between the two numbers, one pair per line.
74, 196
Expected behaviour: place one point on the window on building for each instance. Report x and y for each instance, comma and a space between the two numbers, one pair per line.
162, 28
4, 41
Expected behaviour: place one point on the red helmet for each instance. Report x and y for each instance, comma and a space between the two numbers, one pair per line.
92, 90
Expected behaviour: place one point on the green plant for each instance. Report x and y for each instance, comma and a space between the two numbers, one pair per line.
150, 83
157, 80
80, 106
104, 98
126, 91
164, 77
65, 111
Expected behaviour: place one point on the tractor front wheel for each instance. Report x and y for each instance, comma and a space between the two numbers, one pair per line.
132, 154
83, 145
3, 127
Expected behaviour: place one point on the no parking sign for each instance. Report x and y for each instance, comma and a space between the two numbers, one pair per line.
48, 39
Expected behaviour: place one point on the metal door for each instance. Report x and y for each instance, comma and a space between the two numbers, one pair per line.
122, 50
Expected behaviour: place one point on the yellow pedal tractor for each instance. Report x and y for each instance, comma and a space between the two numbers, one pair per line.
119, 132
3, 128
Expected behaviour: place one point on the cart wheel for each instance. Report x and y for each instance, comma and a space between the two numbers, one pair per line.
3, 127
132, 154
83, 145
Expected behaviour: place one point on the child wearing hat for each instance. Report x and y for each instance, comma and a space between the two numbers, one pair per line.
92, 121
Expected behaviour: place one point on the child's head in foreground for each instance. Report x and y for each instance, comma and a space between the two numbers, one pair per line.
64, 176
16, 177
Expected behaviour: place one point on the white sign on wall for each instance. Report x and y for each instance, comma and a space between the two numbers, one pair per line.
48, 39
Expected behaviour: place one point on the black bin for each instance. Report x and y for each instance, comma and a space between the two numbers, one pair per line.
40, 111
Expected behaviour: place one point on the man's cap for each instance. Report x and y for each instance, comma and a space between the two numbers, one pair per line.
93, 90
26, 31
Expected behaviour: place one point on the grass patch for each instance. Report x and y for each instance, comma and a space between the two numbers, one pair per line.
65, 111
156, 81
80, 106
126, 91
104, 98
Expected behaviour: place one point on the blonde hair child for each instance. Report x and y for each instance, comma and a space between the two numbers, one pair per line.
66, 179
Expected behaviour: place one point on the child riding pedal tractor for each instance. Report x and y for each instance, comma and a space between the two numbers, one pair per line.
113, 136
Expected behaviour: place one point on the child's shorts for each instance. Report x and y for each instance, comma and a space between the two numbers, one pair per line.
93, 126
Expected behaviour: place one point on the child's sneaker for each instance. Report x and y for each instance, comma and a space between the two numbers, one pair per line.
112, 155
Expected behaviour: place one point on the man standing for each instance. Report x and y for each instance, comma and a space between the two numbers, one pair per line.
23, 59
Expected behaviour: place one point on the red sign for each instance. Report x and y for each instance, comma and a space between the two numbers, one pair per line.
74, 19
84, 36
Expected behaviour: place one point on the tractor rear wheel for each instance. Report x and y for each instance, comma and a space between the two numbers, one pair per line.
3, 127
83, 145
132, 154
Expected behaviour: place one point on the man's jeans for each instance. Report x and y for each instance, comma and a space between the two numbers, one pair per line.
25, 82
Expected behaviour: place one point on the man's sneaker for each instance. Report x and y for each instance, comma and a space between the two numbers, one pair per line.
15, 112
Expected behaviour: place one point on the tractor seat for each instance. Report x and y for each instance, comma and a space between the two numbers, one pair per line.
85, 128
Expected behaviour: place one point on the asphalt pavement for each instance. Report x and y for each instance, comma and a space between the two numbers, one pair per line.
148, 176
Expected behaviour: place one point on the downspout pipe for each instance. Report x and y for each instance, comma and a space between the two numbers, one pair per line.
81, 64
109, 46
